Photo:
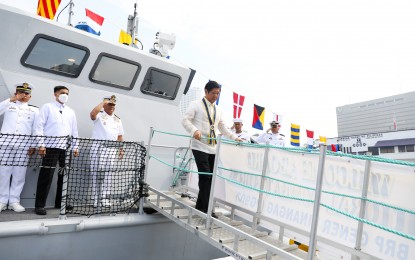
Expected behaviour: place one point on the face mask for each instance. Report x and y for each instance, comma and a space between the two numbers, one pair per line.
63, 98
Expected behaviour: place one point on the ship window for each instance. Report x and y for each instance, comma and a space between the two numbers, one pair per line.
161, 83
53, 55
115, 71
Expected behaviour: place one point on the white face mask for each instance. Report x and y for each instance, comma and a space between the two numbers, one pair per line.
63, 98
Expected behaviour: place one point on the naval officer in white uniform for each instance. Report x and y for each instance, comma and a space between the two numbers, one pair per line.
19, 118
274, 138
107, 126
237, 129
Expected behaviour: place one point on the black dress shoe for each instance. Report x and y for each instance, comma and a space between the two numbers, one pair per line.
40, 211
214, 215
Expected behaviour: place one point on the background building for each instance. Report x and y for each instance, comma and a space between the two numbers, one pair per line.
379, 115
382, 127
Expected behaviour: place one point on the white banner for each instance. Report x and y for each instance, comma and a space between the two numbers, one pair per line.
388, 183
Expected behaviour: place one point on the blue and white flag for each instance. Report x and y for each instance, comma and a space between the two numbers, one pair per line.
93, 23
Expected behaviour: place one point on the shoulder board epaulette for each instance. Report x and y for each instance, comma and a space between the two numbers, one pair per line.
33, 106
101, 111
117, 116
282, 135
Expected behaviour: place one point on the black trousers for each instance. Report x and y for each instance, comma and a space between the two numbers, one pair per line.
205, 163
52, 157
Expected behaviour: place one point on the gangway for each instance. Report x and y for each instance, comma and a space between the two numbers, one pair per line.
232, 236
293, 203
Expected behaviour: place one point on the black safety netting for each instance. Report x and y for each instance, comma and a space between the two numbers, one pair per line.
99, 176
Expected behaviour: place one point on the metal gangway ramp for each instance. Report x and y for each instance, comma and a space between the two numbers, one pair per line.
224, 232
290, 203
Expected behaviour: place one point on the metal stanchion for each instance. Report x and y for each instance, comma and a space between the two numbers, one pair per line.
359, 233
261, 195
212, 186
317, 199
141, 207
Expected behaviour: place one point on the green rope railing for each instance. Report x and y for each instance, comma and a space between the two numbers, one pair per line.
305, 200
308, 151
178, 168
323, 191
324, 205
302, 150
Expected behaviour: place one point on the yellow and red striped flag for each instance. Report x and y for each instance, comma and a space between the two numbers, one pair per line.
48, 8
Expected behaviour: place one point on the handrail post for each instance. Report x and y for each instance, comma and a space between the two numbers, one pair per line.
65, 172
261, 195
317, 199
359, 233
212, 186
141, 207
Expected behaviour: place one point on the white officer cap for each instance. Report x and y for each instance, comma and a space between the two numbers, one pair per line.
112, 99
237, 120
24, 87
274, 123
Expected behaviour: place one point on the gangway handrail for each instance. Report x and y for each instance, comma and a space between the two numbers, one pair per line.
208, 235
295, 229
354, 251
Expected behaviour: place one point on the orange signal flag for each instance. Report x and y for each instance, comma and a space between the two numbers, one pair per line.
48, 8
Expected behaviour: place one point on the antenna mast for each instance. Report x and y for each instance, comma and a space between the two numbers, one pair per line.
132, 27
71, 5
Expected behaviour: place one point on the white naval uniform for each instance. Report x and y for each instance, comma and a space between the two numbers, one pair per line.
273, 139
19, 118
103, 155
244, 137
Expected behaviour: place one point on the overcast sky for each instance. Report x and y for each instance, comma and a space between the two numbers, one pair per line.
300, 59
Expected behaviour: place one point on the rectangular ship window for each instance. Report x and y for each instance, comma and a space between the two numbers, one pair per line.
56, 56
115, 71
161, 84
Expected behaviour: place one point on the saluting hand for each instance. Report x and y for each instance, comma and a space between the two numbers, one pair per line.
17, 96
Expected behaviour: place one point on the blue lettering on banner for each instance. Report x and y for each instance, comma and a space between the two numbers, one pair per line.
290, 214
391, 248
343, 232
246, 199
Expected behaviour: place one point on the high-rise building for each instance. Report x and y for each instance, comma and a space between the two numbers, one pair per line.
382, 127
391, 113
